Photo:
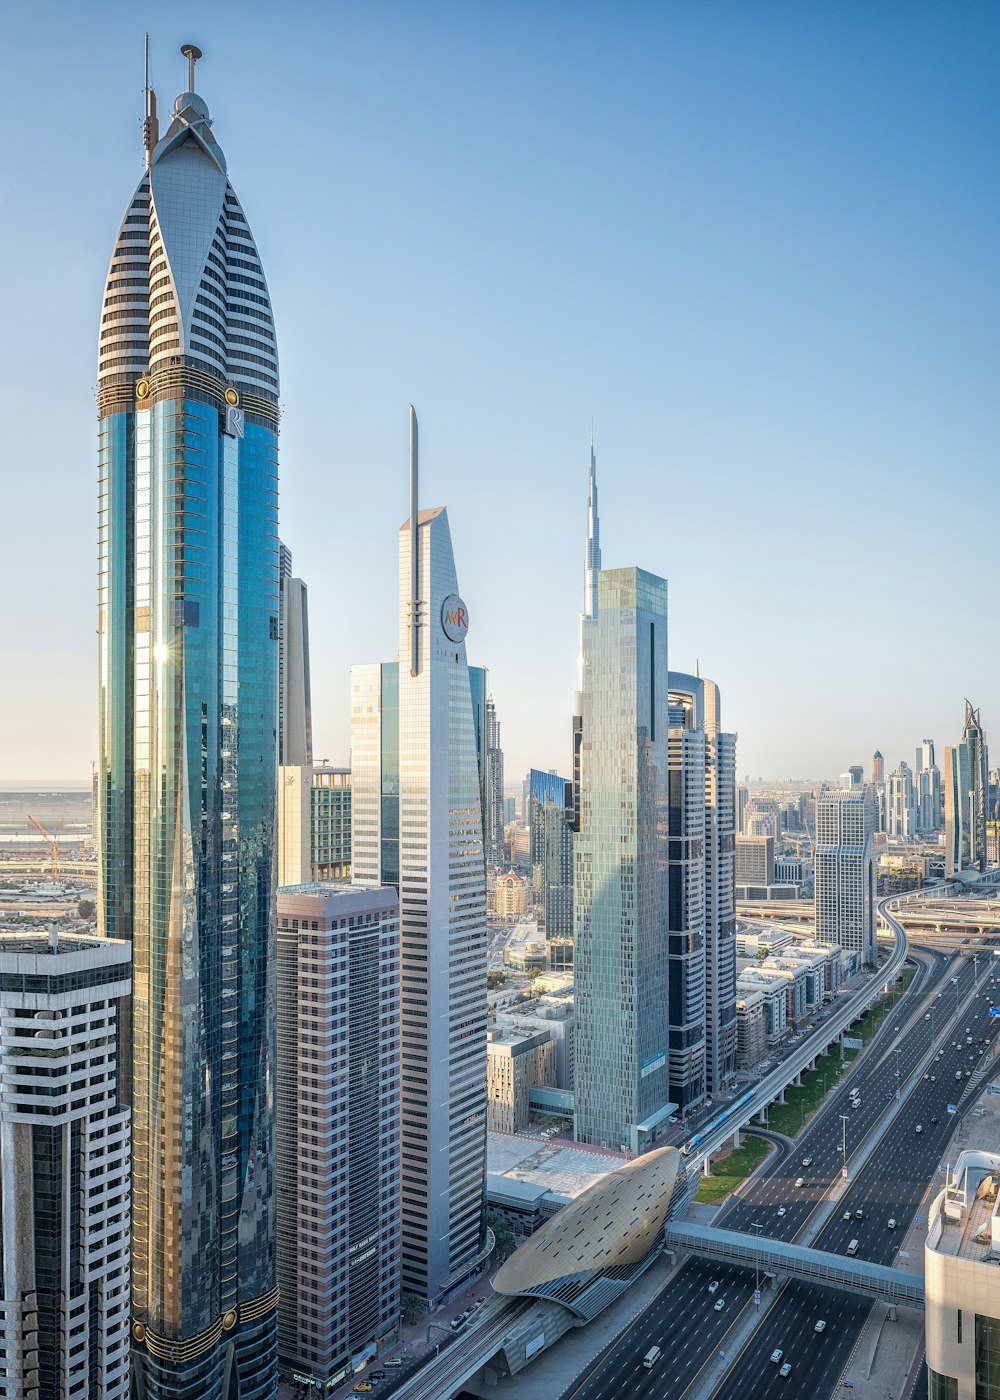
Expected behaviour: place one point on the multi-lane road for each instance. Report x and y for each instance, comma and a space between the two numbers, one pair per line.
683, 1319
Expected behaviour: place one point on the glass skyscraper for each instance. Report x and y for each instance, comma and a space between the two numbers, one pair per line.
620, 896
188, 624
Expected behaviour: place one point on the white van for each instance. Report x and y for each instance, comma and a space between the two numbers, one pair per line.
852, 1248
651, 1358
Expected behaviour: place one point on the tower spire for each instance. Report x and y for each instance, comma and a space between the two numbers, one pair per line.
414, 549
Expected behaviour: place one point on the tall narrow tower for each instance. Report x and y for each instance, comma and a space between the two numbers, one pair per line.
442, 893
188, 626
592, 566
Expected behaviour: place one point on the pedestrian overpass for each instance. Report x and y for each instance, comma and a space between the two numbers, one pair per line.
857, 1276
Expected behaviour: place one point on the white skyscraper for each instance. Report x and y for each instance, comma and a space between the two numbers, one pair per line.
64, 1156
845, 870
416, 800
900, 804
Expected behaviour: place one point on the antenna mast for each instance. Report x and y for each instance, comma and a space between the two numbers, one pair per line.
414, 551
150, 124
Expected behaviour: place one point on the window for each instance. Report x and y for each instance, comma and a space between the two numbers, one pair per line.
987, 1358
942, 1387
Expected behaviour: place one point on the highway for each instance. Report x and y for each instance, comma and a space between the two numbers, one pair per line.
682, 1320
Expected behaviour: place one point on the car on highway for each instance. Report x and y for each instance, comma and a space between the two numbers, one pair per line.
776, 1355
786, 1370
859, 1214
919, 1128
846, 1215
820, 1325
363, 1385
800, 1181
720, 1303
890, 1223
713, 1287
935, 1120
781, 1210
807, 1161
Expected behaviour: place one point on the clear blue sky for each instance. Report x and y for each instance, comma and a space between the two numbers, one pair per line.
756, 241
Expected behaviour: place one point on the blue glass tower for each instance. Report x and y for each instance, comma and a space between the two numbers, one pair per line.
188, 625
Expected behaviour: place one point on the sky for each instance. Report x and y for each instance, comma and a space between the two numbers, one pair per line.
755, 243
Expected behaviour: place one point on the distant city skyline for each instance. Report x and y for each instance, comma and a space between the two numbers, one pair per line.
760, 254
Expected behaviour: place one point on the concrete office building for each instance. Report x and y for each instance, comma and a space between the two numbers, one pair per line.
338, 1149
416, 805
64, 1157
330, 814
622, 1093
686, 896
755, 860
751, 1028
962, 1282
844, 870
188, 624
550, 836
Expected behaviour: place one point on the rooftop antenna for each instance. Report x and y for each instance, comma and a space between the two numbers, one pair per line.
192, 53
414, 551
53, 938
150, 124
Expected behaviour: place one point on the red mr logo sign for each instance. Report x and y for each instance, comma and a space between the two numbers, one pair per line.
454, 618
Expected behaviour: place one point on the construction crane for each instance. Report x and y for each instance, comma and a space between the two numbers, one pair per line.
52, 843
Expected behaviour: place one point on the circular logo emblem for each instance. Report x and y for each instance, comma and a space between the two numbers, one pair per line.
229, 1320
142, 389
138, 1331
454, 618
232, 398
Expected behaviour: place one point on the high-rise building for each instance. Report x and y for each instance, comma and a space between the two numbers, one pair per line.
979, 781
900, 804
331, 823
294, 822
928, 795
188, 621
294, 693
701, 710
64, 1146
686, 898
416, 801
493, 821
878, 767
338, 1126
591, 570
375, 773
550, 836
622, 1090
956, 808
857, 774
844, 870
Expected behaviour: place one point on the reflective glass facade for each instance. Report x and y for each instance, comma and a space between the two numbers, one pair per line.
188, 624
620, 899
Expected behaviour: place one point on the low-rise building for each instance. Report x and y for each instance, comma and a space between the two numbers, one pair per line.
516, 1063
549, 1015
775, 994
330, 818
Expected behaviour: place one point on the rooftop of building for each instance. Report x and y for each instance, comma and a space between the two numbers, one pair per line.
553, 1165
967, 1212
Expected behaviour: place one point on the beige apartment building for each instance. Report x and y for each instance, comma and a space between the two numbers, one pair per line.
516, 1064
